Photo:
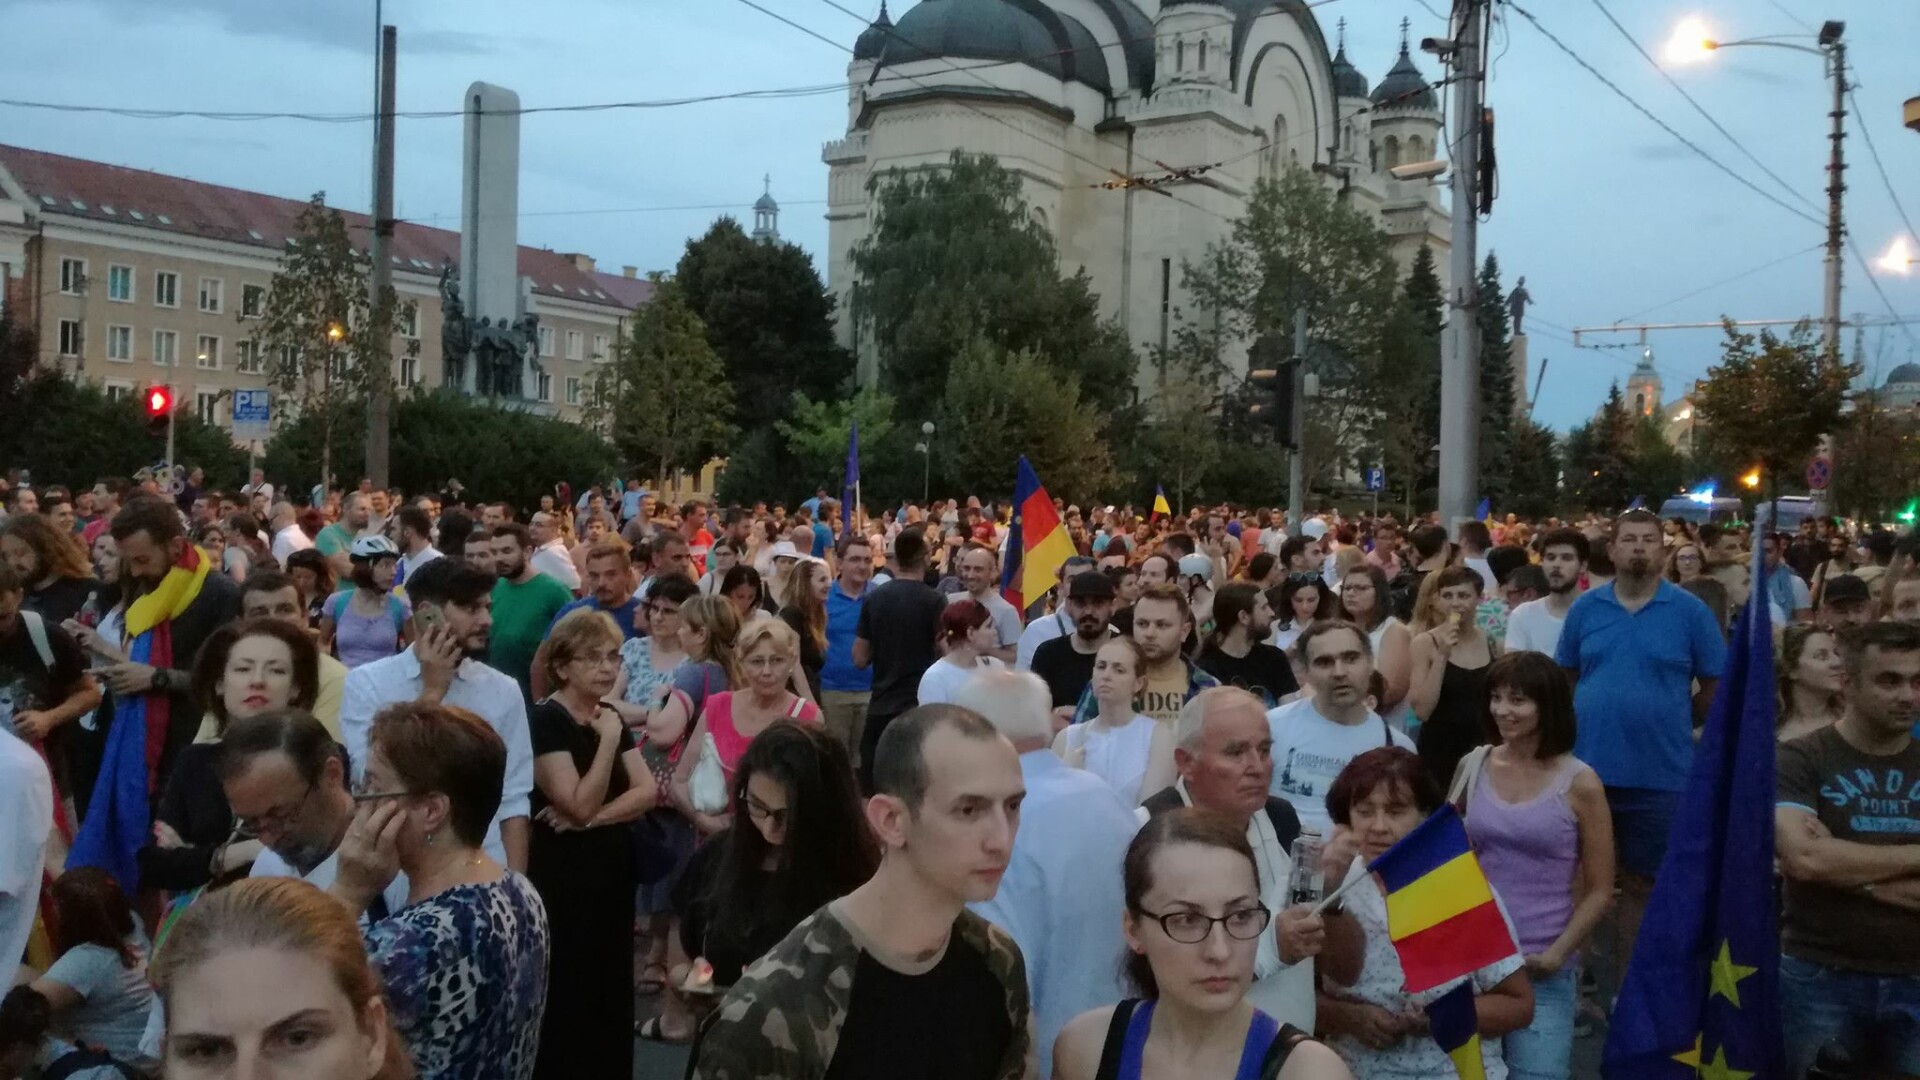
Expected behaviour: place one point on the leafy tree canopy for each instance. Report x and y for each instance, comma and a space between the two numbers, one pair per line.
673, 407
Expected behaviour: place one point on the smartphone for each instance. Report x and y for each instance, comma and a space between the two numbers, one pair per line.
430, 616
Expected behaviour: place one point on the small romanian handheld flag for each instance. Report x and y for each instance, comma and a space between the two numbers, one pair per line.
1441, 913
1456, 1027
1160, 507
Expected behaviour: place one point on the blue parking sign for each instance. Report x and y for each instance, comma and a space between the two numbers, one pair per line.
252, 415
1376, 478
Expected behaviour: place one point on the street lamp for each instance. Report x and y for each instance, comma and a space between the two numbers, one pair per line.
1899, 258
1693, 41
926, 462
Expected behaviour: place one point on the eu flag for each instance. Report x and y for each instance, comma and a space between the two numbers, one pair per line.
1702, 993
850, 487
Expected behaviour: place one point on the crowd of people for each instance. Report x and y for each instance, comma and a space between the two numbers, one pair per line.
389, 786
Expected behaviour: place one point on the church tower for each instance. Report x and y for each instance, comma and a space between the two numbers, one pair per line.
1194, 39
1406, 114
1643, 387
766, 216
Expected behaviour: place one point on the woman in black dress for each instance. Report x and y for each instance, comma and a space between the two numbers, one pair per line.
589, 781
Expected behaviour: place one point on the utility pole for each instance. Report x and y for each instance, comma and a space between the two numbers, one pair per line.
1296, 421
1836, 184
1460, 357
380, 280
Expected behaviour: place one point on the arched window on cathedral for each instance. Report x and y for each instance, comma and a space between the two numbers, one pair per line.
1203, 55
1640, 404
1390, 152
1179, 56
1279, 144
1416, 149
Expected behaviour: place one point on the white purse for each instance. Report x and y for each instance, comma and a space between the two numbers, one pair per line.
707, 786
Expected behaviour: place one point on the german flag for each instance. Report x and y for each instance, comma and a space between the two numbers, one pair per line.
1440, 910
1455, 1024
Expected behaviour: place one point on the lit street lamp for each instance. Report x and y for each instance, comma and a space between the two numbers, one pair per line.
1899, 258
926, 462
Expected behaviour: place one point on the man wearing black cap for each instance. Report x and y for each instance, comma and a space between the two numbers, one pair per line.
1845, 601
1043, 627
1066, 663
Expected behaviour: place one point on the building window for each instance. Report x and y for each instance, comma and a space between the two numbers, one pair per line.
573, 390
1179, 56
410, 321
576, 345
246, 357
1203, 55
118, 389
73, 337
253, 299
409, 371
207, 356
166, 289
546, 387
601, 345
206, 405
120, 343
73, 276
166, 348
546, 341
120, 284
210, 294
1166, 299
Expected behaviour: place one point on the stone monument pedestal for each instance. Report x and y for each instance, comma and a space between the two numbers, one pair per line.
1522, 383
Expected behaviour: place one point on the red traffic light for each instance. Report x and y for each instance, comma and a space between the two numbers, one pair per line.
159, 401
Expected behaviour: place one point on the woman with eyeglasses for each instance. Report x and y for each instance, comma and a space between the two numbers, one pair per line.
464, 964
589, 782
1687, 562
767, 649
1366, 596
798, 840
1811, 677
1377, 1026
1192, 925
243, 670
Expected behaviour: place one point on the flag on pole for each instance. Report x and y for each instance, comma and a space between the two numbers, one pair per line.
1484, 510
1701, 995
1160, 507
1037, 543
1455, 1025
1441, 913
850, 491
1639, 502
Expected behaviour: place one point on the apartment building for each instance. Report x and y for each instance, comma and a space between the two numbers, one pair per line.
133, 278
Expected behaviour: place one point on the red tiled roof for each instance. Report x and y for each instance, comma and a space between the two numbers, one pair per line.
77, 188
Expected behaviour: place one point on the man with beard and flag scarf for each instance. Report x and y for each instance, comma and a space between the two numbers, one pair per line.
176, 599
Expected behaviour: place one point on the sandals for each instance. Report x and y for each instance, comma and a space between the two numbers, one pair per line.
648, 984
652, 1030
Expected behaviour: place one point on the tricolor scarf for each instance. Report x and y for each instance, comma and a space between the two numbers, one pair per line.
117, 819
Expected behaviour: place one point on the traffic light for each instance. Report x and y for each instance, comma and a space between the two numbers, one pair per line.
1271, 380
159, 402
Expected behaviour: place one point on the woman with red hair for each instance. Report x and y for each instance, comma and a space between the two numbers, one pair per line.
968, 637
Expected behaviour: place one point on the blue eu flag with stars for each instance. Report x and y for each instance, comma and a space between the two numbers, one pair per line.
1701, 996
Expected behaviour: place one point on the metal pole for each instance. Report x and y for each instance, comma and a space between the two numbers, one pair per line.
1460, 360
1297, 425
173, 411
380, 280
1836, 197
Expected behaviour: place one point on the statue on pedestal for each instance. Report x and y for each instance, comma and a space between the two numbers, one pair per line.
500, 351
456, 330
1517, 302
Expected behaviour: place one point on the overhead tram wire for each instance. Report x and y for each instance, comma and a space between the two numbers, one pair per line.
1860, 260
1662, 124
424, 114
1724, 281
1866, 134
1702, 110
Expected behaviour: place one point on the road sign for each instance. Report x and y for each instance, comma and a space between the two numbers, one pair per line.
252, 415
1819, 473
1376, 478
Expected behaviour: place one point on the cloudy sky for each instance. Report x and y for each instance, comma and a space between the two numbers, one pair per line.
1610, 218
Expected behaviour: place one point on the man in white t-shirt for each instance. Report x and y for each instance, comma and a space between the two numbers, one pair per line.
978, 568
288, 537
26, 806
550, 555
1535, 625
1314, 738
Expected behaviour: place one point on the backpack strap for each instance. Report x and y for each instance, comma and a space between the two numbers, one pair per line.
37, 630
1116, 1043
1281, 1048
1466, 779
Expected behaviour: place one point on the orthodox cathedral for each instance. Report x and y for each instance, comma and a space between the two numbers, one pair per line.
1075, 96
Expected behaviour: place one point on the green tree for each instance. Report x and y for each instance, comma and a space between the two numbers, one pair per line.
1497, 393
816, 433
319, 340
999, 405
1656, 469
1876, 461
1297, 246
1405, 425
955, 255
672, 407
1769, 401
1534, 487
1598, 457
17, 349
78, 435
1182, 437
495, 450
769, 317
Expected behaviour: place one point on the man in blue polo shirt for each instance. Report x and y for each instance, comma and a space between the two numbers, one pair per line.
845, 689
1645, 656
610, 588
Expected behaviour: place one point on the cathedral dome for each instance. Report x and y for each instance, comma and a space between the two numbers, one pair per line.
873, 40
1347, 79
1404, 87
1058, 45
1904, 374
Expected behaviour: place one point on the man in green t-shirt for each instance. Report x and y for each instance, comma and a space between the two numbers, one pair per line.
335, 539
524, 604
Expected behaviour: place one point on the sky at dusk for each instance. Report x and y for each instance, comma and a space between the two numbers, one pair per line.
1609, 217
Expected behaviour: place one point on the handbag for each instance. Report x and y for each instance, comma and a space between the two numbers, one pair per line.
707, 786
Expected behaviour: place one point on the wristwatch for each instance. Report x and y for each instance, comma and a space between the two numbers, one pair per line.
162, 680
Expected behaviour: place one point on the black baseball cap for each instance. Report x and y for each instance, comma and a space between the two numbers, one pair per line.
1089, 585
1845, 589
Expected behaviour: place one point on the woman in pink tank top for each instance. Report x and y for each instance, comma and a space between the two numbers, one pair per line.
769, 653
1539, 822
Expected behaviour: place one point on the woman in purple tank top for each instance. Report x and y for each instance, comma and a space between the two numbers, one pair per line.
1539, 821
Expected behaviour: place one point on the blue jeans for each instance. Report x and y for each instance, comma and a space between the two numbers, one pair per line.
1543, 1050
1642, 820
1869, 1021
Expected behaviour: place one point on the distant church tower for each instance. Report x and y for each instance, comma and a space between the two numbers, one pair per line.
1643, 387
766, 216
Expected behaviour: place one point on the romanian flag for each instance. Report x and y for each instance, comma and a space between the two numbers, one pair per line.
1160, 507
1037, 544
1483, 512
1441, 913
1455, 1025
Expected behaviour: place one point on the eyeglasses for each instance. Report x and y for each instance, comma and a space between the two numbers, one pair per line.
663, 609
1193, 927
1304, 577
277, 818
363, 792
760, 811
